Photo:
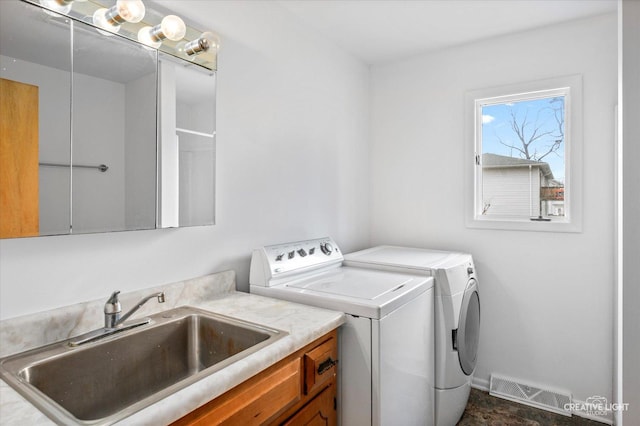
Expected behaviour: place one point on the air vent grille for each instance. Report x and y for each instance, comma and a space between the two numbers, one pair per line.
534, 396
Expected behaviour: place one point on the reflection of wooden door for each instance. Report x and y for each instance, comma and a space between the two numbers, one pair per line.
18, 159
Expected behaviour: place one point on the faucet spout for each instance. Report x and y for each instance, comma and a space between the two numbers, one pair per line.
123, 318
113, 322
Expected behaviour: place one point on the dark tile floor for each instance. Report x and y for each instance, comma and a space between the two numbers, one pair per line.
484, 409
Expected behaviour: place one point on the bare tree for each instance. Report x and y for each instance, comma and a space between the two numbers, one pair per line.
536, 139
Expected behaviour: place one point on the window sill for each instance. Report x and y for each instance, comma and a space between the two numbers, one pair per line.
523, 224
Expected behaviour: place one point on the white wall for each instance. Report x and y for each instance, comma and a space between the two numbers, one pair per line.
547, 298
291, 153
631, 210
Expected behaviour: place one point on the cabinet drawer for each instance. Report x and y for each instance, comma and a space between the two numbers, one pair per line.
257, 403
320, 364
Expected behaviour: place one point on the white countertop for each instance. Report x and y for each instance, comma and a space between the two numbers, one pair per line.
303, 323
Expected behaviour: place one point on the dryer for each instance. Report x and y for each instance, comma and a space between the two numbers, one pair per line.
386, 359
457, 316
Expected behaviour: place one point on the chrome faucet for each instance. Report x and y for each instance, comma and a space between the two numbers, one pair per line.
113, 322
112, 309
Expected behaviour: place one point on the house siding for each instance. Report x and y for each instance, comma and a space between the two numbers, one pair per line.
507, 191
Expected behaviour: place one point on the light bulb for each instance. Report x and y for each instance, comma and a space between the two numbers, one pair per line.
59, 6
100, 20
123, 11
128, 10
173, 27
206, 42
145, 36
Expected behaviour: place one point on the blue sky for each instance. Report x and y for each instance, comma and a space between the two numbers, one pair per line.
539, 114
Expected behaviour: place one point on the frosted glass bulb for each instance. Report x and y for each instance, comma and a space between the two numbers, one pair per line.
173, 27
57, 6
130, 10
100, 20
145, 36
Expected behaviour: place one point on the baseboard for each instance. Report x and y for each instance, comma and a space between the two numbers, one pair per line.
480, 384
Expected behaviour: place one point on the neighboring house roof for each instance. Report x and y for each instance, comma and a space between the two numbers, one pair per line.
502, 161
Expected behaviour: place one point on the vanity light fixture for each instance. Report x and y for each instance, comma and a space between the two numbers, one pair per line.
204, 43
171, 27
124, 11
135, 21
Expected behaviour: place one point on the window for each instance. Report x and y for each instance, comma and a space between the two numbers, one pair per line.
525, 146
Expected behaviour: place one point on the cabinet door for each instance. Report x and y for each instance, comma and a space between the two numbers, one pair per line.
19, 160
321, 411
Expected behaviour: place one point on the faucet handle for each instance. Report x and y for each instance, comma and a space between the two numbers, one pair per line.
112, 306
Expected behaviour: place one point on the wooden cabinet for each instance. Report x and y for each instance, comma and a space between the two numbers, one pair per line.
298, 390
320, 411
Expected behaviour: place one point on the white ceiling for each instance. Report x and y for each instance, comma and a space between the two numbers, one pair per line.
385, 30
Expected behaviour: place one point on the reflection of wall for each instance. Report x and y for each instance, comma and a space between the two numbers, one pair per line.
197, 162
98, 138
140, 153
54, 100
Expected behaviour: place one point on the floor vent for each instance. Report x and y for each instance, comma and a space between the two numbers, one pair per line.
512, 390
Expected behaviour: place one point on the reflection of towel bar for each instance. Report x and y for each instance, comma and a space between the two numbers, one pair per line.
193, 132
103, 168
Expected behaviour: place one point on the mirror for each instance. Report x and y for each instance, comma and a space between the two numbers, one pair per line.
187, 144
90, 156
35, 57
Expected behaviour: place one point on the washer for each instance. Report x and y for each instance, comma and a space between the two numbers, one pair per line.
457, 316
386, 359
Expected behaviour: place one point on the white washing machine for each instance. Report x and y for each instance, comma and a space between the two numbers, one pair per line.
457, 316
386, 360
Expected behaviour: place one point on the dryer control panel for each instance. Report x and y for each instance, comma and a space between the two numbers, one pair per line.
282, 260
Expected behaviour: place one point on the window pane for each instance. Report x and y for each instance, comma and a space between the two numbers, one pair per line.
523, 158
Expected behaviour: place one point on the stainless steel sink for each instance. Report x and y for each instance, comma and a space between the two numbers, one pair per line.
104, 381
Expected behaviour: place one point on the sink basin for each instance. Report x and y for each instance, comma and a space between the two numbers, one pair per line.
104, 381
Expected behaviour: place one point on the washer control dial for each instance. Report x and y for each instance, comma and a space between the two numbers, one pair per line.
326, 248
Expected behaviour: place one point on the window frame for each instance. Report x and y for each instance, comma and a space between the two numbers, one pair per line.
571, 88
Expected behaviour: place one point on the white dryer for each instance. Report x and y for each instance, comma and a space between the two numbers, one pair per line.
386, 359
457, 316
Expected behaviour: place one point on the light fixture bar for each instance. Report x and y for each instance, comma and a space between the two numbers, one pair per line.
133, 20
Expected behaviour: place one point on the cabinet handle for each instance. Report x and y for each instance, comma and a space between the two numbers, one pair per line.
326, 366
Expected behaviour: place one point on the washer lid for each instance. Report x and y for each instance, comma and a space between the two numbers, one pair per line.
361, 284
402, 257
365, 292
